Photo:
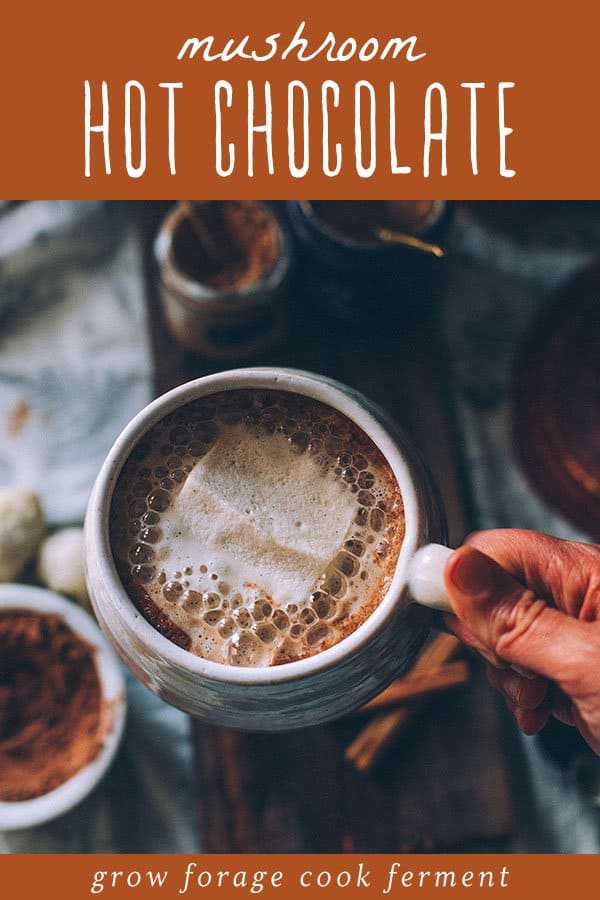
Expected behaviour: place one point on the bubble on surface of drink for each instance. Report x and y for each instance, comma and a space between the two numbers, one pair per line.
265, 525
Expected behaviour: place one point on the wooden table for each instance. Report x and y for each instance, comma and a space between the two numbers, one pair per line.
447, 784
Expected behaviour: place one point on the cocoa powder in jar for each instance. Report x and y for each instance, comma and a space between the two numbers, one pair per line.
226, 245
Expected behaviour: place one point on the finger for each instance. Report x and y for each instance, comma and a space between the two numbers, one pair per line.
517, 626
561, 707
525, 673
569, 713
467, 637
527, 693
529, 721
532, 721
564, 573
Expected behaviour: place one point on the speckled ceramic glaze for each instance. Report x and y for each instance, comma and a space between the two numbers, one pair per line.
296, 694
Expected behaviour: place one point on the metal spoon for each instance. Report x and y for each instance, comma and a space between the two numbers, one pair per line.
389, 236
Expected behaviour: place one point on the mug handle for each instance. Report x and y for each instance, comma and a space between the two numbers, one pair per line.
426, 576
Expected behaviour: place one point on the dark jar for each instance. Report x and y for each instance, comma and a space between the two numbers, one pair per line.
366, 281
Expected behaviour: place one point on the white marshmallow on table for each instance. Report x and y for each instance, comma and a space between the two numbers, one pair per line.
60, 564
22, 528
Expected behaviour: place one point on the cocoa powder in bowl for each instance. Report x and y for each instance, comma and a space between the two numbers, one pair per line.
51, 704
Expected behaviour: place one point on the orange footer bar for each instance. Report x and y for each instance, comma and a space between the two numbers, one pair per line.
308, 876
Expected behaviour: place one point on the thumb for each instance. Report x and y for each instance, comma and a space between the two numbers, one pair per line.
517, 626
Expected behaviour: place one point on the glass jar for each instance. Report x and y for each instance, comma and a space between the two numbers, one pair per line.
229, 322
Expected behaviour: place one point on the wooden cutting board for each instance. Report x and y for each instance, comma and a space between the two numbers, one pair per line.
446, 784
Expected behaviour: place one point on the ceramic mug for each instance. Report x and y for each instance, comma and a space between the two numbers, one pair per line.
307, 691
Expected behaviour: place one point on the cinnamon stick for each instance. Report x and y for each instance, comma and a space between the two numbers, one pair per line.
376, 737
371, 744
417, 685
440, 650
205, 237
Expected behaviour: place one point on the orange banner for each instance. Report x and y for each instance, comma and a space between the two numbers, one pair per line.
462, 99
302, 877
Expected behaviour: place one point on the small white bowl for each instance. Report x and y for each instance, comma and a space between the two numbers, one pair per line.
26, 813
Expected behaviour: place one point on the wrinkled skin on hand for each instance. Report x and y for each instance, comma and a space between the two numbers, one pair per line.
530, 604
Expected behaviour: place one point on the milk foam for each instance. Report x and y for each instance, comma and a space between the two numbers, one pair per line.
261, 514
263, 525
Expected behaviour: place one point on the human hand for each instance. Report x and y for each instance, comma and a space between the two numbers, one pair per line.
531, 602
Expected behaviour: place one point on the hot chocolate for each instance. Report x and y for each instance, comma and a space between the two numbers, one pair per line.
256, 527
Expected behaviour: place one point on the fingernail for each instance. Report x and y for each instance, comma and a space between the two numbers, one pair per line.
473, 573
